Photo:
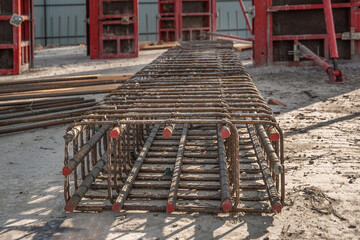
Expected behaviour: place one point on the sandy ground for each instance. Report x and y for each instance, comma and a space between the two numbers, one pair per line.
322, 165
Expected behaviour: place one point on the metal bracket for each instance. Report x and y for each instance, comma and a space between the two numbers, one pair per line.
350, 36
125, 21
16, 20
296, 53
251, 11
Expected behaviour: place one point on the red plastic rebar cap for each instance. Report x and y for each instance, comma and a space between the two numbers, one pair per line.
274, 137
115, 133
277, 207
66, 171
225, 132
69, 207
167, 133
116, 207
170, 207
226, 205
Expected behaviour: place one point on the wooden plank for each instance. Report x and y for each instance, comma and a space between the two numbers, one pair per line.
154, 46
242, 46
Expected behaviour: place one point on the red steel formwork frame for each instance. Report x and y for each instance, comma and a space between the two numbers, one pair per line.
272, 45
184, 20
169, 20
114, 29
16, 43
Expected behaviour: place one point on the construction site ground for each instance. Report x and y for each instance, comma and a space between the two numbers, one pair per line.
321, 123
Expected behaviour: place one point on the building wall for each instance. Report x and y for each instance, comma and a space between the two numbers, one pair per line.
59, 22
63, 22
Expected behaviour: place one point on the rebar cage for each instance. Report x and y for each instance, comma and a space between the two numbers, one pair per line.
189, 132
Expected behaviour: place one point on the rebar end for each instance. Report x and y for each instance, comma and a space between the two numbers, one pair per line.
226, 205
69, 207
225, 132
274, 136
69, 136
167, 133
115, 132
170, 207
277, 207
66, 171
278, 169
116, 207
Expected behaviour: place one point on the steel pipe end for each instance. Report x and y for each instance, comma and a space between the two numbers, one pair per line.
66, 171
170, 207
277, 207
226, 205
274, 136
225, 132
69, 207
278, 169
116, 207
69, 136
115, 132
167, 133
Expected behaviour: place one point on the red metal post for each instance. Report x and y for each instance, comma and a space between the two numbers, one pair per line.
136, 29
355, 24
260, 31
178, 19
330, 28
17, 39
94, 30
214, 16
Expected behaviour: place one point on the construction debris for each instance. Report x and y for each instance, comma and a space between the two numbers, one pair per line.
157, 45
272, 101
216, 158
242, 46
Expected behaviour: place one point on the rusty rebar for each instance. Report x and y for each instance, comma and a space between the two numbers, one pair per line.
226, 204
171, 203
48, 110
119, 203
85, 185
73, 162
61, 115
270, 186
195, 84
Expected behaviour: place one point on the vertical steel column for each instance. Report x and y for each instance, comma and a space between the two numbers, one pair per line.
45, 22
330, 28
260, 30
213, 16
94, 29
17, 39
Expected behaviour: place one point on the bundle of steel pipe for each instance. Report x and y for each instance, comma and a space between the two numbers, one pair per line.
189, 132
